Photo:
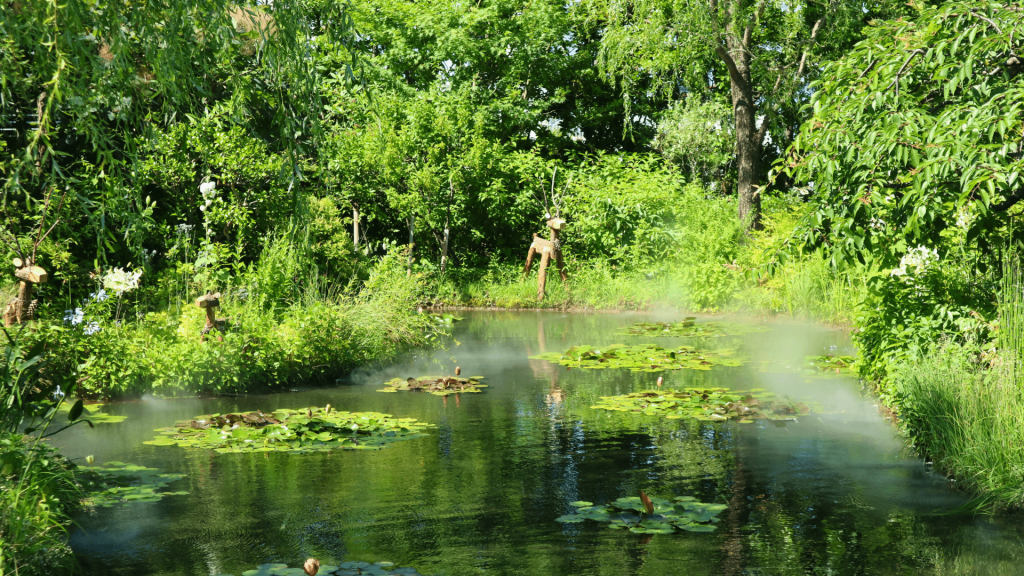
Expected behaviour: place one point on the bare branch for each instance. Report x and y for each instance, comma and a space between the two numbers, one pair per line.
974, 12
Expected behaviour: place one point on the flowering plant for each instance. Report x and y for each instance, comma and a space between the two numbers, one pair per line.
119, 281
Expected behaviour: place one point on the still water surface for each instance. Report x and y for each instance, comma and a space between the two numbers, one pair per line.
835, 493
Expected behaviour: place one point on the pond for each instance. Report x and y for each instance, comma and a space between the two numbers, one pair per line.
832, 492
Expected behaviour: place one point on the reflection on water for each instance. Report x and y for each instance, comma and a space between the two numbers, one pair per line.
832, 494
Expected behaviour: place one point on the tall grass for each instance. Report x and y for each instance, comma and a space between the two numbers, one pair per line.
964, 407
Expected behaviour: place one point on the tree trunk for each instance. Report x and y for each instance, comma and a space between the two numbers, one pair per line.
355, 227
748, 148
444, 250
412, 238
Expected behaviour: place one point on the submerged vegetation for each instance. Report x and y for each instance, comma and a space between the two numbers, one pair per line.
117, 483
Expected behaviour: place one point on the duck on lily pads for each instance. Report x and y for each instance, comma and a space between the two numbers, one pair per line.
649, 515
642, 358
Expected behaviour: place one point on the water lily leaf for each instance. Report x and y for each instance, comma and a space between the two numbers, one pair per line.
643, 358
306, 430
437, 385
117, 483
816, 366
91, 412
689, 327
649, 515
712, 404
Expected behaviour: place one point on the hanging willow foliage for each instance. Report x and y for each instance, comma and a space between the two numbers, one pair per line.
84, 84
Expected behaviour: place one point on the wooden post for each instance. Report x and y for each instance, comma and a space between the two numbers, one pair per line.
22, 308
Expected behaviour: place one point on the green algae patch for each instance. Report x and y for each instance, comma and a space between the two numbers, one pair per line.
295, 431
437, 385
656, 516
642, 358
117, 483
714, 404
343, 569
91, 412
689, 327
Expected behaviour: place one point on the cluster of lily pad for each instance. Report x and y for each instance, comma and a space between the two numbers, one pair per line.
118, 483
306, 430
642, 358
437, 385
343, 569
830, 364
444, 318
91, 412
714, 404
655, 516
690, 328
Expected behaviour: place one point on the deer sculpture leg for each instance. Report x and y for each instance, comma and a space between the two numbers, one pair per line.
542, 276
561, 266
529, 258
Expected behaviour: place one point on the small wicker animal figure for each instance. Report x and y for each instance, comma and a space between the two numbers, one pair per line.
23, 307
547, 249
210, 302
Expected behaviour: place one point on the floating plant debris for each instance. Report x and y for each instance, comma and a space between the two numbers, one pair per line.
656, 516
343, 569
118, 483
715, 404
438, 385
306, 430
91, 412
643, 358
690, 327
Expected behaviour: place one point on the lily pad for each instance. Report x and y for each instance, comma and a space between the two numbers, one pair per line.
437, 385
688, 327
306, 430
118, 483
444, 318
825, 365
642, 358
714, 404
91, 412
344, 569
668, 516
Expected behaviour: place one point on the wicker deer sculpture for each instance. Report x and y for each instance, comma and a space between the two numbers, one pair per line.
22, 307
551, 248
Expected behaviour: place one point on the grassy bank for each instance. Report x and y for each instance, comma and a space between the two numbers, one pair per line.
962, 405
279, 331
712, 266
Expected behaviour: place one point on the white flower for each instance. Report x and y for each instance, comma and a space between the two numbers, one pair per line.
207, 187
120, 281
74, 317
916, 261
964, 218
99, 296
92, 328
184, 228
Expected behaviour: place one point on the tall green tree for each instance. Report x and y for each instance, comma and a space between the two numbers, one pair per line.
759, 55
917, 138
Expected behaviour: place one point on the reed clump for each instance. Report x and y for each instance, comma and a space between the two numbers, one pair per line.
962, 405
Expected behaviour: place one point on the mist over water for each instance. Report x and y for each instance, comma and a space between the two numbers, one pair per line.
835, 493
